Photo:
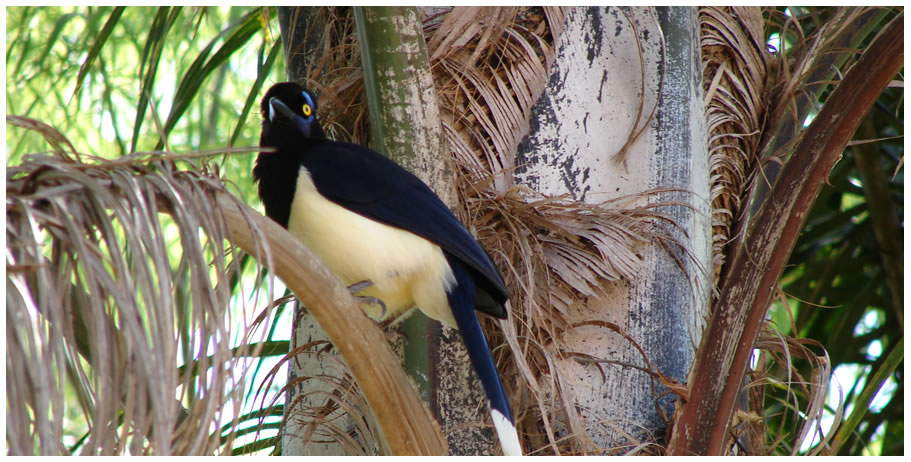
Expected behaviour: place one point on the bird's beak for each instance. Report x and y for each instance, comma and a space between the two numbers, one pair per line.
278, 110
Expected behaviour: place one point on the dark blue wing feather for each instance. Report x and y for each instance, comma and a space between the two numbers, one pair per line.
371, 185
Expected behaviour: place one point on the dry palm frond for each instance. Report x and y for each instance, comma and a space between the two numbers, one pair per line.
735, 75
756, 106
752, 99
780, 352
793, 365
487, 82
809, 62
98, 300
560, 250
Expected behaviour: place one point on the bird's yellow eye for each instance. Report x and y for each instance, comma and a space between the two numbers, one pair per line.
306, 110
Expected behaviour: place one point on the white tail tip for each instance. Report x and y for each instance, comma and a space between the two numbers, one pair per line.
506, 431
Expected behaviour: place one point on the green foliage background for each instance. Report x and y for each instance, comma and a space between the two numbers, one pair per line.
117, 80
836, 287
109, 77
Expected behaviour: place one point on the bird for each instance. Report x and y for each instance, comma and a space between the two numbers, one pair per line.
382, 231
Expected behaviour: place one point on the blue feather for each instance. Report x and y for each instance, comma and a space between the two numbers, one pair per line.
461, 298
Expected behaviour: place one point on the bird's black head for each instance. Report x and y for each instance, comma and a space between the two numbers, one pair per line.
290, 128
289, 114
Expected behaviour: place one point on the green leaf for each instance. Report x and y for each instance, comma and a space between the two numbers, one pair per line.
151, 56
240, 33
862, 404
52, 39
96, 47
262, 71
23, 39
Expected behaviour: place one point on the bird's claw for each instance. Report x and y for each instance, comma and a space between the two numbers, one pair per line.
372, 301
359, 286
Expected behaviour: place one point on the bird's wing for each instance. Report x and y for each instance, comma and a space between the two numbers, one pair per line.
371, 185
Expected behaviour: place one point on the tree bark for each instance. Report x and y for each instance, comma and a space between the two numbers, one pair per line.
612, 68
301, 35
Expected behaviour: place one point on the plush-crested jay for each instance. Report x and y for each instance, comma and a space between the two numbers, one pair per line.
376, 225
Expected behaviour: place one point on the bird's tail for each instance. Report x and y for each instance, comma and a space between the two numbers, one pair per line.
460, 300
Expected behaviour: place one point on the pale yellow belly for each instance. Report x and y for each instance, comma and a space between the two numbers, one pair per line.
405, 269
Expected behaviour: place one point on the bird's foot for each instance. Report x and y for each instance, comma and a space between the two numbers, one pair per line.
359, 286
372, 301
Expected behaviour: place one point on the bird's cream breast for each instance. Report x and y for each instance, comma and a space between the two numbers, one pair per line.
405, 269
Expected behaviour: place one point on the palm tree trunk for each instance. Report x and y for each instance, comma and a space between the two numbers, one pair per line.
595, 136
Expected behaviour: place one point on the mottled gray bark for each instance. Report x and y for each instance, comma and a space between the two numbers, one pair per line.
602, 88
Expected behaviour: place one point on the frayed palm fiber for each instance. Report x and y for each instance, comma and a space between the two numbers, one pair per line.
101, 257
490, 66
